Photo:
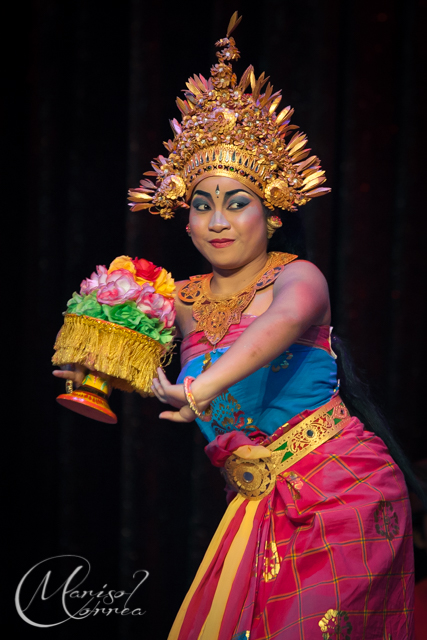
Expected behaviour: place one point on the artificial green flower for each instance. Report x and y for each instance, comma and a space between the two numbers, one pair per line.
85, 306
126, 314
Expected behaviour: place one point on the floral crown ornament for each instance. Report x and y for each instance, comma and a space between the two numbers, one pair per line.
227, 132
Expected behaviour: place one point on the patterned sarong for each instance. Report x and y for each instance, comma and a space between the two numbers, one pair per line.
326, 555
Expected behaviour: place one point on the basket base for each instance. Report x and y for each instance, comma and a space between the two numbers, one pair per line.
89, 405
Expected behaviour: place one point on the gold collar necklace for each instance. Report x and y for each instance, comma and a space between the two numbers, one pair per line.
215, 314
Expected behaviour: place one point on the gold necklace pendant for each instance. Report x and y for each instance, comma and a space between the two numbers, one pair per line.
215, 314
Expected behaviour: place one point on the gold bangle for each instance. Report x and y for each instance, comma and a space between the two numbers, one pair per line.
203, 415
69, 387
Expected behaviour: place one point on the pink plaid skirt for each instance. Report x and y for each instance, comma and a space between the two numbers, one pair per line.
326, 555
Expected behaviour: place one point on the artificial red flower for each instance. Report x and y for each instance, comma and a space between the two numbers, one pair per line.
146, 269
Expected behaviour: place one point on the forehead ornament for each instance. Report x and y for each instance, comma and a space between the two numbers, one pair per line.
217, 191
225, 131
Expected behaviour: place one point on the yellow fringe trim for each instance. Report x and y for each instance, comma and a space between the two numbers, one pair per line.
129, 357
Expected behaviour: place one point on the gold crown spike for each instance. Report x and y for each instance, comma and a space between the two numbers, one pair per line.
227, 132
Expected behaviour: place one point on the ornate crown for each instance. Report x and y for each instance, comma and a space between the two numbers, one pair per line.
227, 132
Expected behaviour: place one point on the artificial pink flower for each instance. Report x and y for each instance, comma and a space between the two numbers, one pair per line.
120, 286
96, 280
156, 306
168, 313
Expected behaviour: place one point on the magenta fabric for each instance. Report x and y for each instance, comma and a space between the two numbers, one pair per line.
341, 523
203, 596
223, 446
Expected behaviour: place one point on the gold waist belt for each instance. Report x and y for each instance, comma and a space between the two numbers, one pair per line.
254, 479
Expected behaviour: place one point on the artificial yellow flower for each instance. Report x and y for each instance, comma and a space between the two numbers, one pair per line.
122, 262
165, 284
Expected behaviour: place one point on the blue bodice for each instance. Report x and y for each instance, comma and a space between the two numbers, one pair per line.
303, 377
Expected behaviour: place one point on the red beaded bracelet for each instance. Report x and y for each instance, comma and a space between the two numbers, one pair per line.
203, 415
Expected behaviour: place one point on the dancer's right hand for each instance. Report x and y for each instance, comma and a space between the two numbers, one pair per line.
74, 372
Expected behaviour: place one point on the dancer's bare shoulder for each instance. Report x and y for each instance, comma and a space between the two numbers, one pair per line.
184, 311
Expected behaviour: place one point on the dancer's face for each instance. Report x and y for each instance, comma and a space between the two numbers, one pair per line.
227, 222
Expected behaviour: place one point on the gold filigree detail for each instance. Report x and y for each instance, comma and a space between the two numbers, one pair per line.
207, 362
255, 479
252, 478
339, 412
312, 434
294, 482
228, 415
273, 223
173, 187
215, 314
278, 194
335, 624
225, 131
226, 406
271, 562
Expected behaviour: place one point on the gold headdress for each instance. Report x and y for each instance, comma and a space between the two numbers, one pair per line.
227, 132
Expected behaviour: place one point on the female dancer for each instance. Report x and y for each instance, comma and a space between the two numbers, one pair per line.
316, 541
326, 551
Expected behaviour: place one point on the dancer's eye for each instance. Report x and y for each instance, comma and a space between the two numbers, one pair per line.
200, 205
238, 203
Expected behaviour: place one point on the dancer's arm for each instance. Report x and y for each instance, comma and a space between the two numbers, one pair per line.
301, 299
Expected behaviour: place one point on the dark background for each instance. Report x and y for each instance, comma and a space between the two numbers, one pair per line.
89, 90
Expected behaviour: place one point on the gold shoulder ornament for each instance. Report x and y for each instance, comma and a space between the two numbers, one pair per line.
225, 131
215, 314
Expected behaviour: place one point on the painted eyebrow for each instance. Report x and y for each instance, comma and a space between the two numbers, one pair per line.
202, 193
226, 195
231, 193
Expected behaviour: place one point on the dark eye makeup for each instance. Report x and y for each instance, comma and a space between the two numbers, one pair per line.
200, 204
235, 202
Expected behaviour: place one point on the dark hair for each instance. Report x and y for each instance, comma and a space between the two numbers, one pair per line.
355, 392
357, 397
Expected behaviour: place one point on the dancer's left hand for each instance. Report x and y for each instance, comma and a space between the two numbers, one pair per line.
172, 394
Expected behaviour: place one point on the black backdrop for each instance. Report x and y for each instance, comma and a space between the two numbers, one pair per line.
90, 87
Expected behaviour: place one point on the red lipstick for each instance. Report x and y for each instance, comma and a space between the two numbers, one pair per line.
221, 243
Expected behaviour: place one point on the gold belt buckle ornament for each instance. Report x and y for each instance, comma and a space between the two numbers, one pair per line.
254, 479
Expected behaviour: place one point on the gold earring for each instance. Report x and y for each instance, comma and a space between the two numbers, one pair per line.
188, 230
273, 223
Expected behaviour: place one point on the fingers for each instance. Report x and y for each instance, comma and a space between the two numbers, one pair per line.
76, 374
185, 414
81, 372
67, 375
173, 416
162, 377
158, 391
168, 393
252, 452
159, 384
